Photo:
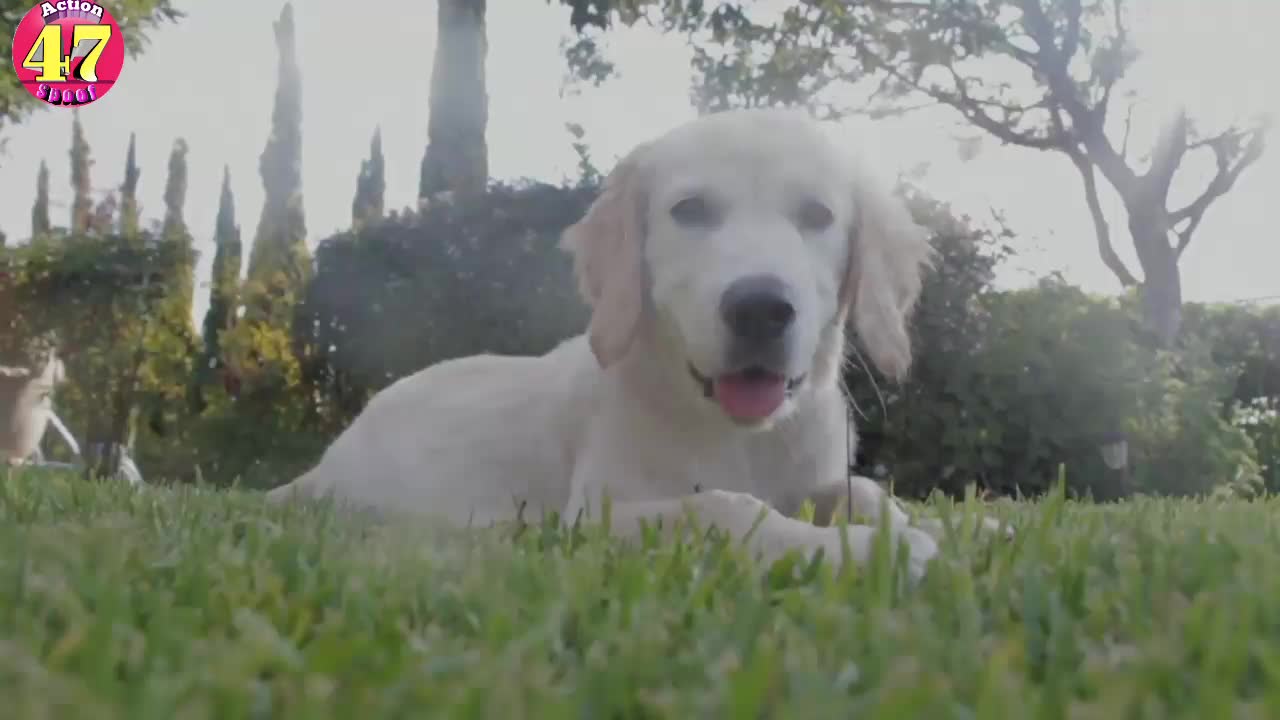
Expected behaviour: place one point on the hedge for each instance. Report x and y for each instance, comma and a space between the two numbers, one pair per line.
1008, 388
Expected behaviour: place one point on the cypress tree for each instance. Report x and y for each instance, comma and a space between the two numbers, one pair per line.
175, 191
279, 263
81, 162
224, 277
371, 185
130, 224
170, 344
40, 225
457, 158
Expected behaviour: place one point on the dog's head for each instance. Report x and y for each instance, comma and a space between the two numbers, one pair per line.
746, 239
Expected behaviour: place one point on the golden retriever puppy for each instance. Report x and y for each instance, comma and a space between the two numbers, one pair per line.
722, 262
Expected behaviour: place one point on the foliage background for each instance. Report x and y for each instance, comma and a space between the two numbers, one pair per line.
1008, 387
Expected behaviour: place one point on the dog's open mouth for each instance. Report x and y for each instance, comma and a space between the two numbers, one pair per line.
751, 394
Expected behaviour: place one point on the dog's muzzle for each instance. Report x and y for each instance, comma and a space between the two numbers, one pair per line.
759, 315
749, 396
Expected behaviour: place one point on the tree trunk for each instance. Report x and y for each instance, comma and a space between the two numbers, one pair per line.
111, 428
112, 432
457, 159
1162, 281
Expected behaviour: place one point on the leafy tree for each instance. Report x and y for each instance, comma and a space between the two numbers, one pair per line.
387, 296
250, 425
588, 174
1245, 341
81, 163
371, 185
263, 349
130, 223
102, 221
457, 158
174, 229
40, 225
1008, 386
175, 189
279, 262
136, 19
123, 382
167, 345
92, 293
1040, 74
224, 281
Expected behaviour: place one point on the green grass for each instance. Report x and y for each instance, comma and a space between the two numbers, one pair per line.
190, 603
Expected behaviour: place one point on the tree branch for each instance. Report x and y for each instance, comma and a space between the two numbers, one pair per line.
1086, 123
1167, 156
1128, 129
1122, 32
880, 113
971, 108
1108, 73
1071, 38
1101, 230
1230, 168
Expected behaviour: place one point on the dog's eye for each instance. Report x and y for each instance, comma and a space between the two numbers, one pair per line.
694, 211
815, 216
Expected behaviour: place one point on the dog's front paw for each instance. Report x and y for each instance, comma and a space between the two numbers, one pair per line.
921, 547
988, 526
997, 528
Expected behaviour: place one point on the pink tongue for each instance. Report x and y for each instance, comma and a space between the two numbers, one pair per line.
749, 398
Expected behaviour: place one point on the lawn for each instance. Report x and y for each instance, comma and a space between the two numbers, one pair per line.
191, 603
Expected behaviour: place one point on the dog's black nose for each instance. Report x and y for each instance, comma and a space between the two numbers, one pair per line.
756, 308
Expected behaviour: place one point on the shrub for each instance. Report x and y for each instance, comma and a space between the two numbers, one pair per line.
1245, 341
456, 279
1260, 420
91, 297
1008, 386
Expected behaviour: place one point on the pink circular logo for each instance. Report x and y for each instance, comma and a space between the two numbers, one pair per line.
68, 52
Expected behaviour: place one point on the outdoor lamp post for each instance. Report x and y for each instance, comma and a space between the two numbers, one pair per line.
1115, 450
1114, 447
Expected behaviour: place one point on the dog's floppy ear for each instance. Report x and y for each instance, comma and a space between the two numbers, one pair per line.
608, 253
888, 255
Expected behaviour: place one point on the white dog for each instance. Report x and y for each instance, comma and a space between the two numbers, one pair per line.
26, 407
721, 262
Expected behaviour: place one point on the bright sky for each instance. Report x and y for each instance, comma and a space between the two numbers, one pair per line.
210, 79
